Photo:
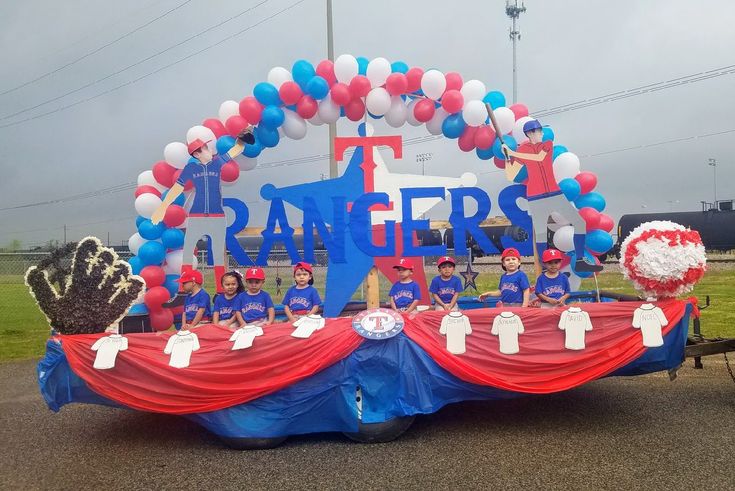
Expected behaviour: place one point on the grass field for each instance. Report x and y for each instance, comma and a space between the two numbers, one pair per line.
23, 329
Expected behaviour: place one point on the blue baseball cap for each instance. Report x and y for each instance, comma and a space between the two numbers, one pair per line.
531, 125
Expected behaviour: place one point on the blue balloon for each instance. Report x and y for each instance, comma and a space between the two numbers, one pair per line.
592, 200
224, 144
172, 238
598, 241
548, 134
374, 116
172, 284
398, 67
135, 264
558, 150
267, 137
302, 71
590, 259
318, 88
571, 188
253, 150
149, 231
272, 117
362, 64
495, 99
138, 308
192, 160
267, 94
140, 219
521, 176
486, 154
180, 199
498, 150
453, 126
151, 253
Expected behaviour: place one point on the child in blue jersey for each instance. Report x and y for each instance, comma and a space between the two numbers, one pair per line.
552, 287
513, 287
302, 298
196, 306
405, 293
227, 304
446, 287
256, 306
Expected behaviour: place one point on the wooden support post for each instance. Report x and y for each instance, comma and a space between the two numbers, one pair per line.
372, 289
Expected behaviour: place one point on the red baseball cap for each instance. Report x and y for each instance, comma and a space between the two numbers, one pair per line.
304, 266
255, 274
404, 263
445, 259
193, 275
551, 255
510, 252
195, 145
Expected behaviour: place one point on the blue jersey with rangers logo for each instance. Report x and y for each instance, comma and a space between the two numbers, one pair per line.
512, 285
196, 301
403, 294
207, 185
226, 307
553, 287
255, 307
445, 289
301, 300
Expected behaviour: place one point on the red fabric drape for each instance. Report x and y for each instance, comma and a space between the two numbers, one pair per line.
542, 365
217, 377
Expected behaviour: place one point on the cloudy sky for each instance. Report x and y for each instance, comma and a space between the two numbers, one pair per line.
92, 91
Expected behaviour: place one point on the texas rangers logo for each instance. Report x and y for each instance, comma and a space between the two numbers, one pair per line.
378, 323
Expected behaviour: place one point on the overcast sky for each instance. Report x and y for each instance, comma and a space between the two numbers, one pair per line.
569, 51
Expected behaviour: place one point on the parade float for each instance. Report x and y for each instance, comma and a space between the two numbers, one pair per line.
366, 375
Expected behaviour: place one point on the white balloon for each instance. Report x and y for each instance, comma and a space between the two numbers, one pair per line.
174, 260
518, 133
378, 101
201, 132
566, 165
410, 117
505, 118
378, 71
228, 109
146, 204
564, 238
245, 163
472, 90
434, 125
345, 68
294, 125
146, 178
278, 75
433, 83
474, 113
134, 243
397, 114
556, 221
176, 154
316, 120
328, 111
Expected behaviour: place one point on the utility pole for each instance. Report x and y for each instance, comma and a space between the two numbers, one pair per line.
423, 158
332, 126
513, 11
64, 234
713, 163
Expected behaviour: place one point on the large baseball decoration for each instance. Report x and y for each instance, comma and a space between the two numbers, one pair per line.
663, 259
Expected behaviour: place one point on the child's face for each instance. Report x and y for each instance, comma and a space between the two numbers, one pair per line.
553, 266
230, 285
511, 263
446, 270
535, 136
302, 277
189, 286
254, 285
404, 274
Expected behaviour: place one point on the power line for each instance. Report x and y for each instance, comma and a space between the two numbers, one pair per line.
85, 86
94, 51
89, 194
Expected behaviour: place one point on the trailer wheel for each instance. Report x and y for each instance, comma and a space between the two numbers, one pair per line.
236, 443
381, 432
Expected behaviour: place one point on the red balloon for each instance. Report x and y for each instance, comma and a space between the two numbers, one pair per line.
290, 93
161, 319
413, 77
341, 94
360, 86
235, 125
174, 216
606, 222
396, 84
153, 276
355, 110
519, 110
163, 172
499, 163
325, 69
466, 140
424, 110
591, 217
216, 126
251, 109
452, 101
147, 189
306, 107
587, 181
485, 137
230, 171
454, 81
155, 297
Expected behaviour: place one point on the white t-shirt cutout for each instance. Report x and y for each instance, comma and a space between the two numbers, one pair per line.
180, 346
244, 336
307, 325
107, 349
507, 326
650, 319
455, 326
575, 322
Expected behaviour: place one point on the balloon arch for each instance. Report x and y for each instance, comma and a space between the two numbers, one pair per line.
355, 88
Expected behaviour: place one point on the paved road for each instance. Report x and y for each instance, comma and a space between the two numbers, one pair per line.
623, 433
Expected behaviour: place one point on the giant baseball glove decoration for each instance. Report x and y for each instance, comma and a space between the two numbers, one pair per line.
93, 294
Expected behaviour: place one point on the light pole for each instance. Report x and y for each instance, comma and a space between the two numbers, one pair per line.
513, 11
423, 158
713, 163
